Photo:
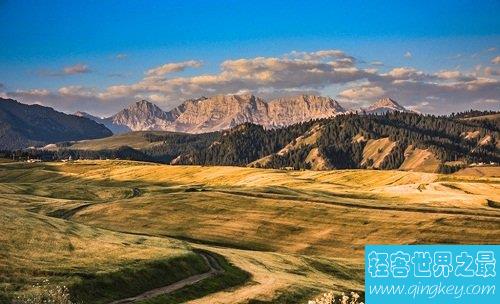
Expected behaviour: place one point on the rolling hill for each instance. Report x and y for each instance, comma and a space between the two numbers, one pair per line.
108, 229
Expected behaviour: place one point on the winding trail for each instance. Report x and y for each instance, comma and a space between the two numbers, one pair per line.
213, 264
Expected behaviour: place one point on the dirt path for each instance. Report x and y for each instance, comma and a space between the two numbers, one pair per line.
215, 269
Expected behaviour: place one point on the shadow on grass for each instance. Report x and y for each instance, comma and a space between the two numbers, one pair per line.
135, 279
231, 276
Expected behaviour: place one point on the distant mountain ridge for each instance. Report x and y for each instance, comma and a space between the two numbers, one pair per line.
222, 112
24, 125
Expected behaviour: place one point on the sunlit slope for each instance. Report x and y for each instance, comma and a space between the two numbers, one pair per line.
320, 213
32, 195
295, 232
486, 171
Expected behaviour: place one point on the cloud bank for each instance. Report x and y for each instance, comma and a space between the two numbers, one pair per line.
293, 73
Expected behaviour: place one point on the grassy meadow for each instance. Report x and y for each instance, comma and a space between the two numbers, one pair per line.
122, 227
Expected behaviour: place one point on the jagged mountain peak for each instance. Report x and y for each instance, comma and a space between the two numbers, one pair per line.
80, 113
387, 102
310, 99
245, 97
144, 106
384, 105
142, 115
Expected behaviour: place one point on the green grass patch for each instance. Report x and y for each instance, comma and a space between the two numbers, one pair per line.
135, 279
231, 277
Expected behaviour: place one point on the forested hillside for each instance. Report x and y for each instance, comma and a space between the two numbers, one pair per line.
343, 138
390, 141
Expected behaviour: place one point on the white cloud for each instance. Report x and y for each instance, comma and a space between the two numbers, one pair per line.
318, 55
489, 71
496, 60
293, 73
453, 75
447, 74
34, 92
408, 55
76, 69
121, 56
492, 101
79, 68
364, 92
173, 67
404, 73
77, 91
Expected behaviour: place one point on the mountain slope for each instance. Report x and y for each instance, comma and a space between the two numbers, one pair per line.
142, 116
107, 122
24, 125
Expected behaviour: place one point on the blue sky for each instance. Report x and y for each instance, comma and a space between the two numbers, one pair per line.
94, 45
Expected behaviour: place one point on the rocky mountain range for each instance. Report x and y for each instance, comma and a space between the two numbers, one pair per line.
24, 125
33, 125
222, 112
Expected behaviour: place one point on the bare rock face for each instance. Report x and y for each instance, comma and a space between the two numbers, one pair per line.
223, 112
142, 116
290, 110
219, 112
385, 105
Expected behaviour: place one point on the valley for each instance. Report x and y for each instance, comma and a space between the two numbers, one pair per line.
282, 236
246, 152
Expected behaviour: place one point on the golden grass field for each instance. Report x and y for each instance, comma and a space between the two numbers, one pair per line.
296, 232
